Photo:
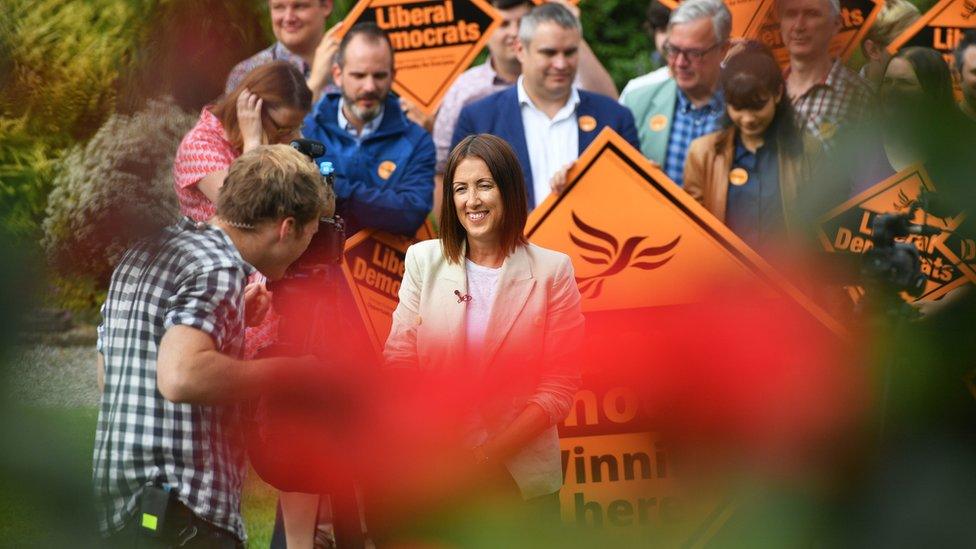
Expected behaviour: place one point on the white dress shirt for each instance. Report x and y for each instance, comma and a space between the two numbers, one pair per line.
552, 142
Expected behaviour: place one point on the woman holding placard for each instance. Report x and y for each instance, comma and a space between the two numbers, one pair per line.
748, 173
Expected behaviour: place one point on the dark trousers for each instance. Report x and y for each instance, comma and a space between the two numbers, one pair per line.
196, 535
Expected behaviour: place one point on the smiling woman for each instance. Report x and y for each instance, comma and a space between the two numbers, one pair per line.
518, 307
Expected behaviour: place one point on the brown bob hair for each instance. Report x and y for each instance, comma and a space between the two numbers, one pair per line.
752, 76
278, 84
507, 173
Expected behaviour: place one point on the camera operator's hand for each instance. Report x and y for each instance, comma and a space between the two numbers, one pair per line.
249, 119
257, 303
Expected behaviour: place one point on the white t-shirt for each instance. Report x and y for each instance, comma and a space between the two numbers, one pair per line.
482, 287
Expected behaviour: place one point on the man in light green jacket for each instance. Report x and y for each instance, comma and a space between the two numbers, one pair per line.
672, 113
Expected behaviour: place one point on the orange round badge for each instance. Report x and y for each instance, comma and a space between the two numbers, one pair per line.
587, 123
827, 130
386, 169
738, 176
658, 122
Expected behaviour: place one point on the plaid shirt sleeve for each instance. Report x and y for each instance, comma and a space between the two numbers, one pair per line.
100, 339
206, 300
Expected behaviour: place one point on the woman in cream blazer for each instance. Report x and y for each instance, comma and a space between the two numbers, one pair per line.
482, 301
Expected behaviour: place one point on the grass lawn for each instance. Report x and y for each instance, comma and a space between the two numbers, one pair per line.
45, 481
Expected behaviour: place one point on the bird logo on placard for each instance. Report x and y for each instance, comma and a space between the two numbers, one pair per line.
607, 250
904, 201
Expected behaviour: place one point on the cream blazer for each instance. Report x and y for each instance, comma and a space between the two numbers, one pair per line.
531, 348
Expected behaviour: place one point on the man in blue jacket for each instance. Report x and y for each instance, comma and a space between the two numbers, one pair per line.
544, 117
384, 162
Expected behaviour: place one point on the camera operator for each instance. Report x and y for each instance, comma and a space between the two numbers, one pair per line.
169, 461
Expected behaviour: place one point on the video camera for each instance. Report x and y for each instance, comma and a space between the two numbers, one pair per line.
305, 297
286, 448
895, 266
328, 243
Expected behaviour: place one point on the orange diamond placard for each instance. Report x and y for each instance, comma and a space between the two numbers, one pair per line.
747, 15
638, 240
373, 264
847, 229
940, 28
857, 16
433, 42
639, 243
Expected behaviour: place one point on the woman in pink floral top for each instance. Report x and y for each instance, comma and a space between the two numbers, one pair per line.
266, 108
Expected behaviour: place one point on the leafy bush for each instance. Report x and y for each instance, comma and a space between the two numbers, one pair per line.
117, 187
614, 29
60, 64
65, 66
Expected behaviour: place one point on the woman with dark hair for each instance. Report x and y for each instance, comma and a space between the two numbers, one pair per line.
916, 93
266, 108
918, 120
481, 299
748, 173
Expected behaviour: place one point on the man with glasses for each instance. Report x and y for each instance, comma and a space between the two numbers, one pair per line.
672, 114
825, 94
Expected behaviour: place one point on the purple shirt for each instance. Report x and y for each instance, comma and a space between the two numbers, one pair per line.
474, 84
277, 52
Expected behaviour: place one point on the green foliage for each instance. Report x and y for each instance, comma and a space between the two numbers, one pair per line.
65, 66
117, 187
187, 48
60, 64
614, 29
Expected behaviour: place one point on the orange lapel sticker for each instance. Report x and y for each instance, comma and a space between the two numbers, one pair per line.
587, 123
433, 42
857, 16
658, 122
638, 240
386, 169
847, 229
747, 15
373, 263
738, 176
941, 28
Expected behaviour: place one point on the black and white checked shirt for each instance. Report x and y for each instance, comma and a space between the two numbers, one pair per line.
192, 275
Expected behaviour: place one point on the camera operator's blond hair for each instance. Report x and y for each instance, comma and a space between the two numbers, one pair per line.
273, 182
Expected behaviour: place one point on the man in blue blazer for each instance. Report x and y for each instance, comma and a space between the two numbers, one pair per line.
544, 117
384, 162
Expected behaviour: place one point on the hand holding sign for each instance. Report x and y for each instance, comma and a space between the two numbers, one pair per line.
558, 181
320, 74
